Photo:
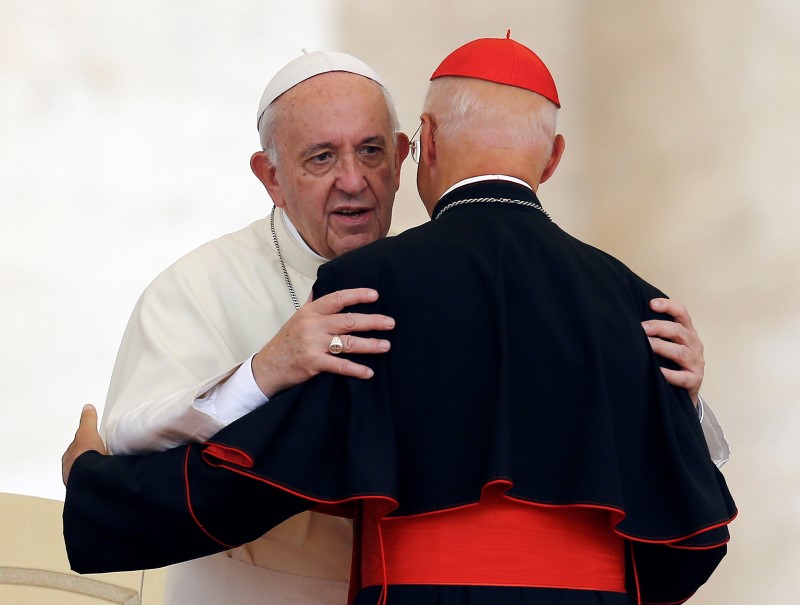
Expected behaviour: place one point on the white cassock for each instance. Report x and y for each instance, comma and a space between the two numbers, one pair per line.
192, 327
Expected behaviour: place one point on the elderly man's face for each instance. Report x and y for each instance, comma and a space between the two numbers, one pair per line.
339, 167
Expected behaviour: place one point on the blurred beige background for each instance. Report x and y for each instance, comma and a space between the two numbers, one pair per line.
126, 129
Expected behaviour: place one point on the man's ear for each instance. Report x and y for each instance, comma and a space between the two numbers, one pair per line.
427, 137
265, 172
555, 158
401, 152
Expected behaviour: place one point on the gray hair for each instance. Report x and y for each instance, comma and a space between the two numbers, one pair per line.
460, 110
267, 126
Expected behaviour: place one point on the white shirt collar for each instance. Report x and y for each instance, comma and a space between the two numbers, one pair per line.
487, 177
298, 238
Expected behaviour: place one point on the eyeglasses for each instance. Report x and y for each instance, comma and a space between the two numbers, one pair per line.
415, 146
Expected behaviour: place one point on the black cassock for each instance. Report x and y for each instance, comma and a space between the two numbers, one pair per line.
517, 356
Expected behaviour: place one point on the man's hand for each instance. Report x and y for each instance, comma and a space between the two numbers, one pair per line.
300, 349
677, 341
86, 438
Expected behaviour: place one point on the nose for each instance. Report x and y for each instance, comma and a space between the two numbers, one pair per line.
351, 176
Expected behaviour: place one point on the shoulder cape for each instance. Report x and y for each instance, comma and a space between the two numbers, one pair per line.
518, 356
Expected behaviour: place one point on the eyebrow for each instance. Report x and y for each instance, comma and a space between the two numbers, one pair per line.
376, 140
312, 150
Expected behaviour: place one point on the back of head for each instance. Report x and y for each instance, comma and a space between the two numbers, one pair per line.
491, 116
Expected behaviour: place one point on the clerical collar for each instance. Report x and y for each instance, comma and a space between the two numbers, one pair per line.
487, 177
298, 238
500, 190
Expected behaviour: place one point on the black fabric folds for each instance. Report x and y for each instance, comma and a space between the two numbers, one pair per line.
137, 512
518, 355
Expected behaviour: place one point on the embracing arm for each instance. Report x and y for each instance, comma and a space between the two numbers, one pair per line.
138, 511
299, 350
171, 354
679, 342
160, 394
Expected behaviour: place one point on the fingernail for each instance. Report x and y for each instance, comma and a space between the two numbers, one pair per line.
385, 345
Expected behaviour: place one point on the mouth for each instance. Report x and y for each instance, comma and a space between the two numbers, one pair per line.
352, 214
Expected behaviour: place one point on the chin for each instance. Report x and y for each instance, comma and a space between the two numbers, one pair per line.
357, 241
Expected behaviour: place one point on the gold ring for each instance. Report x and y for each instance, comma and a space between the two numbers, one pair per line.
336, 345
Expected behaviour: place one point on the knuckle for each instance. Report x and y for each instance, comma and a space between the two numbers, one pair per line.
339, 297
349, 320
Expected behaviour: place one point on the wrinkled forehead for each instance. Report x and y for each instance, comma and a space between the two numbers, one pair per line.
334, 102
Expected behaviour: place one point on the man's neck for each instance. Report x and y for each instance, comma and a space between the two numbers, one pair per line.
485, 177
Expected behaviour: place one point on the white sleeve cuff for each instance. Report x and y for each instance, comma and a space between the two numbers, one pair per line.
712, 430
237, 396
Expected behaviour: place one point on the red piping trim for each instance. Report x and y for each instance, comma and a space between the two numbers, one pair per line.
672, 541
635, 575
231, 455
389, 501
188, 495
392, 504
385, 587
667, 541
704, 547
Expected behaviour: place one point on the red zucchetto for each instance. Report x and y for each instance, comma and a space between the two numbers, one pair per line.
500, 60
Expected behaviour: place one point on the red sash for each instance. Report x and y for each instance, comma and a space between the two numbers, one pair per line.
498, 542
